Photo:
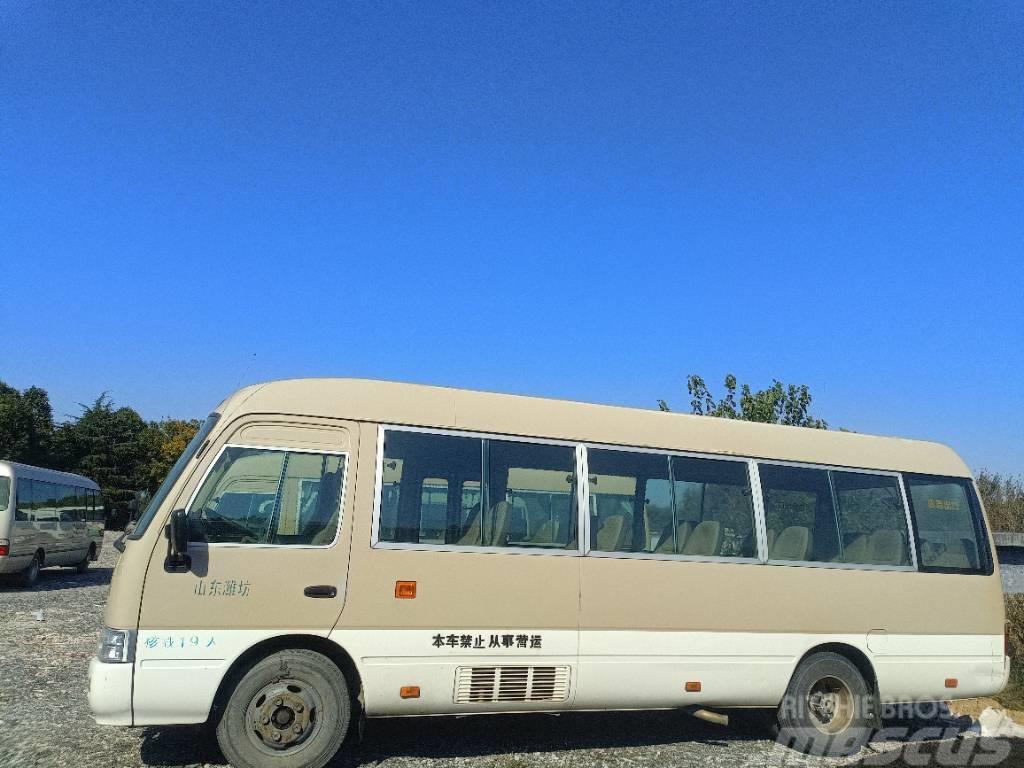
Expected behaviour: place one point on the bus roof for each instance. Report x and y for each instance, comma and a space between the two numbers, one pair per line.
419, 405
14, 469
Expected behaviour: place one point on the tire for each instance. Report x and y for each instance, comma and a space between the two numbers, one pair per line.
83, 565
828, 707
286, 690
30, 575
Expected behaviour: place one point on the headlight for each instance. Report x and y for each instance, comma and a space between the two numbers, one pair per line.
117, 646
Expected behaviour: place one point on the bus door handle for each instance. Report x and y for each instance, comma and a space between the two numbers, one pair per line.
320, 590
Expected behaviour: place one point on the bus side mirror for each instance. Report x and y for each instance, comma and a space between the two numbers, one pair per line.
178, 559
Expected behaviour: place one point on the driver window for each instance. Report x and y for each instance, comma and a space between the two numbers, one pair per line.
261, 496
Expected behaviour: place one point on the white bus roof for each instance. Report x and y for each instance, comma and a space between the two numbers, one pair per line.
417, 405
14, 469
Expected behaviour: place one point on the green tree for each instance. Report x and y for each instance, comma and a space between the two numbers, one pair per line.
168, 439
778, 404
26, 425
111, 445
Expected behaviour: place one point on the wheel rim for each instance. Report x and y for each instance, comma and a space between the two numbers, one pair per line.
830, 705
283, 716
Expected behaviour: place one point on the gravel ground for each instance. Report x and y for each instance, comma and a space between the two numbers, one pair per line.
45, 721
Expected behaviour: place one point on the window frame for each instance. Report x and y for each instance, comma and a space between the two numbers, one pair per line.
828, 468
981, 528
754, 496
378, 483
342, 496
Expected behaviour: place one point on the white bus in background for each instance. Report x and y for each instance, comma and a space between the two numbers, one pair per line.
47, 518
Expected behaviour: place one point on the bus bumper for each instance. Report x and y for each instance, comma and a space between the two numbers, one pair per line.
1005, 677
110, 692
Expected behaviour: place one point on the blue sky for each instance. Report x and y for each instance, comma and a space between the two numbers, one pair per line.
585, 201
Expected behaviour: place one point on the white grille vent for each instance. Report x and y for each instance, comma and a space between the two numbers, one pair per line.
488, 684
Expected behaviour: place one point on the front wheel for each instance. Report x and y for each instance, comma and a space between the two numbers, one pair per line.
291, 710
828, 707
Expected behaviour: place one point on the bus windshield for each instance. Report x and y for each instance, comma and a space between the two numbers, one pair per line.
179, 466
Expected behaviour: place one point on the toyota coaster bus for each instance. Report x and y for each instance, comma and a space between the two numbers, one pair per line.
47, 518
329, 549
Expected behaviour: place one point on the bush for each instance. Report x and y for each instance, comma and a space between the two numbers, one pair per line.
1003, 497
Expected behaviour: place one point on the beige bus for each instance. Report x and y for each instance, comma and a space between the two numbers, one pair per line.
47, 518
328, 549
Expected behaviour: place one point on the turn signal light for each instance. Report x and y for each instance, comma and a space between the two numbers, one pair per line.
5, 547
405, 590
693, 686
409, 691
951, 682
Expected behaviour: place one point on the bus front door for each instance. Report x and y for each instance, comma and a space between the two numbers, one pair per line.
269, 537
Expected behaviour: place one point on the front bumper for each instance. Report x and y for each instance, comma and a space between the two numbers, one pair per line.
110, 692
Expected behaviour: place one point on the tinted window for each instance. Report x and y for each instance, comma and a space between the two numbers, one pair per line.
5, 492
258, 496
430, 489
431, 492
44, 497
25, 500
644, 502
950, 533
799, 513
713, 498
872, 520
630, 500
530, 495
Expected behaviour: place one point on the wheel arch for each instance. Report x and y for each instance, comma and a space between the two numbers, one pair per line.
258, 651
852, 653
855, 656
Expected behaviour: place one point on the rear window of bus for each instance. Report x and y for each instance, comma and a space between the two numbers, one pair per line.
948, 524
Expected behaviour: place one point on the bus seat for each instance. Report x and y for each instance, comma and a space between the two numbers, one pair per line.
545, 534
611, 535
666, 545
857, 551
501, 518
956, 555
887, 547
793, 543
471, 536
318, 530
706, 539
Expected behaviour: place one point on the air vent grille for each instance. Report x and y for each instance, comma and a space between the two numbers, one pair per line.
490, 684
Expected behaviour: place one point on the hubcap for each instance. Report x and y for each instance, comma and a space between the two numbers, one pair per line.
830, 705
283, 715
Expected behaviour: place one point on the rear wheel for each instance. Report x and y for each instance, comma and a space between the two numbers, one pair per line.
828, 707
292, 710
30, 575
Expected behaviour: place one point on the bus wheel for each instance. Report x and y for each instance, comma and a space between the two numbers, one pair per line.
31, 574
82, 566
827, 707
292, 710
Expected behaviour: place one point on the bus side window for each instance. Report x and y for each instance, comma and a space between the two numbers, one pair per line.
799, 513
951, 535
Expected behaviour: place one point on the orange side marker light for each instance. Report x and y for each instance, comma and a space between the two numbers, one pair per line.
952, 682
409, 691
405, 590
693, 686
